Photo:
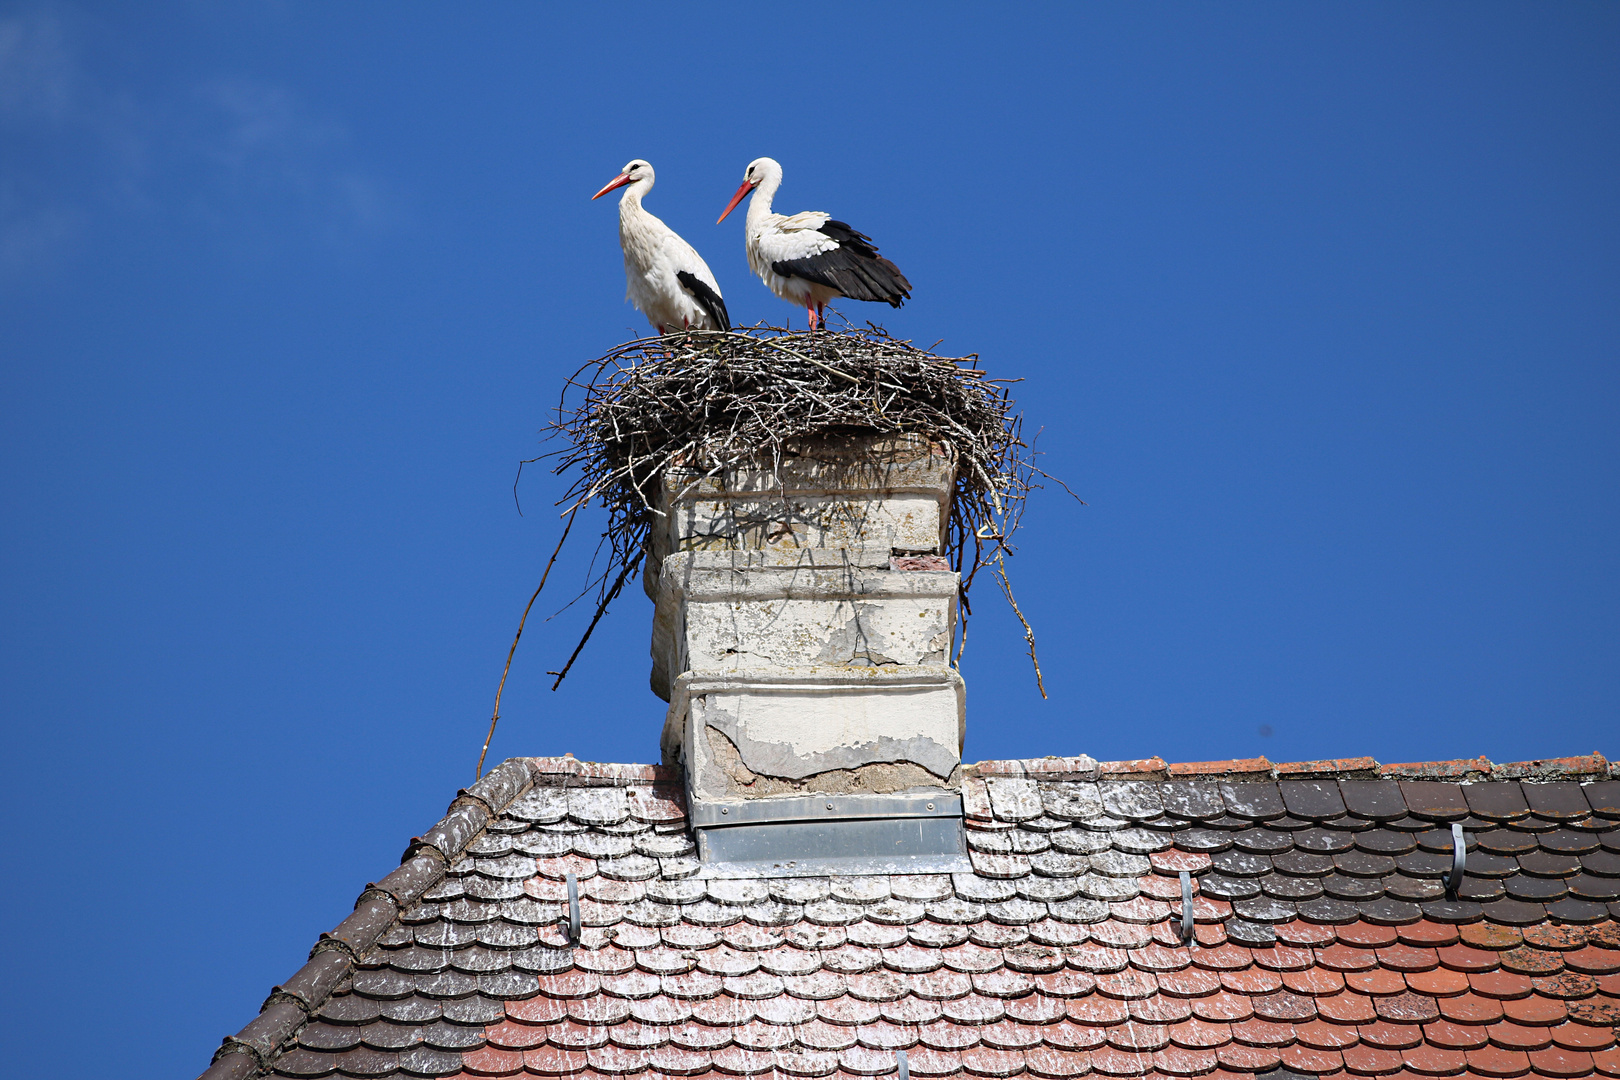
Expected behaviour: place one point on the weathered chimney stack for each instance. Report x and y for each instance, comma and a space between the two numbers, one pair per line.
802, 636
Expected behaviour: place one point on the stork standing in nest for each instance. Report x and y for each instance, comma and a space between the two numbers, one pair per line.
667, 280
808, 258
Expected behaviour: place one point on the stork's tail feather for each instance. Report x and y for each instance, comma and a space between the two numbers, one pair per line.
857, 277
854, 268
707, 298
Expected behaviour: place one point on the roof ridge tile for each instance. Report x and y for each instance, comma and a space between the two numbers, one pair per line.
1588, 768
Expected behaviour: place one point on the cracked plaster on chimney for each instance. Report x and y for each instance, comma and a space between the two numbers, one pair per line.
726, 771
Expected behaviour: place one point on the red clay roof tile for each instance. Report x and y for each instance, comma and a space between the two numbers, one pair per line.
1218, 1007
1305, 1059
1069, 1035
1407, 1008
1054, 1062
1430, 1060
1189, 982
1097, 1010
1212, 769
1347, 1008
1183, 1061
1495, 1061
1576, 1036
1199, 1034
1365, 1060
1246, 1058
1568, 984
1511, 1036
1559, 1061
1470, 1008
1535, 1009
1441, 982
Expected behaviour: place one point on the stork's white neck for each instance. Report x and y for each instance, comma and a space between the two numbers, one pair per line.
630, 201
759, 203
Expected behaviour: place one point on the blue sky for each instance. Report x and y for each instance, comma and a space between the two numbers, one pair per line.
1316, 307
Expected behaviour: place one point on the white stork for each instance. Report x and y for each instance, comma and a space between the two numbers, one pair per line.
809, 258
667, 281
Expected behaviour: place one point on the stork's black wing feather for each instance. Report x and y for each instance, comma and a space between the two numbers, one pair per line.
854, 268
707, 298
857, 241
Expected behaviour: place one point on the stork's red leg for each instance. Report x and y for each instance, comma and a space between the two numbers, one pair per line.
810, 310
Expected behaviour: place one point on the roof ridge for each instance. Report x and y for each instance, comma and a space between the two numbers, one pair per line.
334, 956
1593, 766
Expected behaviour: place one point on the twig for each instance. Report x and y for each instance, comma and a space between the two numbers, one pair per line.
496, 718
601, 609
1029, 634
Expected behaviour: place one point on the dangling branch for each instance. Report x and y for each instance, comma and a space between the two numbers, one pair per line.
601, 609
1000, 572
499, 690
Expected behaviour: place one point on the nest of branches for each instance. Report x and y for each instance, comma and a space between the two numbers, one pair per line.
706, 402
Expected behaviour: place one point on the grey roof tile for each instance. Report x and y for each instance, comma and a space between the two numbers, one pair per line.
1079, 841
1252, 801
1202, 840
349, 1008
806, 890
1014, 800
1373, 800
1098, 887
1192, 799
415, 1009
1324, 840
1142, 841
954, 911
1434, 801
1312, 800
1130, 800
1604, 798
831, 912
598, 805
773, 913
1074, 801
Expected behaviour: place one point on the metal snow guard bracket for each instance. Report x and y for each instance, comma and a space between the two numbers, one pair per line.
815, 835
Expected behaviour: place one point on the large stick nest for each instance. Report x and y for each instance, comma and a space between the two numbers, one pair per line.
705, 402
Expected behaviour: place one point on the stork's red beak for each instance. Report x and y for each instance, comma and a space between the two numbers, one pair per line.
747, 186
617, 182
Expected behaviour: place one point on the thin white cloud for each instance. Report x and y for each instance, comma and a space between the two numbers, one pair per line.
37, 72
245, 155
36, 239
265, 150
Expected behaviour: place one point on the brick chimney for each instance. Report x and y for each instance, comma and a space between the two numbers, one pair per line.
802, 636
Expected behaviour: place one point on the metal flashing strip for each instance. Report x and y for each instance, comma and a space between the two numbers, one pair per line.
860, 834
707, 814
870, 867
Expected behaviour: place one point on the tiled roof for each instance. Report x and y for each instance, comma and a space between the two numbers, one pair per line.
1324, 942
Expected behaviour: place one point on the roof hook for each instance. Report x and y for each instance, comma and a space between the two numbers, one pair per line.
900, 1059
1459, 862
1186, 929
571, 926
